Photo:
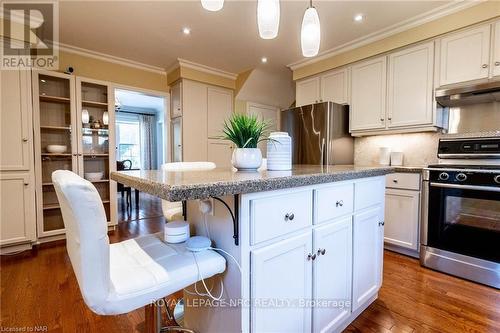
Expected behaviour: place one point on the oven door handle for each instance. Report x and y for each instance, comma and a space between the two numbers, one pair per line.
467, 187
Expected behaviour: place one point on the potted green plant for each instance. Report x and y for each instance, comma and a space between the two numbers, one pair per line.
245, 131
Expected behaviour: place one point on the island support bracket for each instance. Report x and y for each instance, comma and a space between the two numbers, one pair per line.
235, 213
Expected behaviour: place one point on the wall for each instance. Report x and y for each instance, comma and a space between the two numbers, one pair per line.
268, 87
108, 71
482, 12
420, 149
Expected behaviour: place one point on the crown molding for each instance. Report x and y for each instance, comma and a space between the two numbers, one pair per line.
110, 58
202, 68
415, 21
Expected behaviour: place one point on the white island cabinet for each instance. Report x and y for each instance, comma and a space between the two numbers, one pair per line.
311, 258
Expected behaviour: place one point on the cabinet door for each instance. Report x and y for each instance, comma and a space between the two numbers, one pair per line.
307, 91
368, 94
367, 255
220, 108
334, 87
17, 213
281, 272
176, 139
401, 218
176, 98
410, 86
267, 113
332, 273
220, 153
465, 56
194, 121
496, 50
15, 120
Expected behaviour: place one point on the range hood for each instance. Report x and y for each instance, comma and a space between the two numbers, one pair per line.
477, 93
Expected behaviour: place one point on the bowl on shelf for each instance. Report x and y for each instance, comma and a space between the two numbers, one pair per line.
93, 176
56, 149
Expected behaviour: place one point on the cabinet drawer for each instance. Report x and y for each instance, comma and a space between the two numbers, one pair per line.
407, 181
332, 202
368, 192
278, 215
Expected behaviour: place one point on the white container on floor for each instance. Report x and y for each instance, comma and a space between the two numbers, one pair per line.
279, 152
176, 232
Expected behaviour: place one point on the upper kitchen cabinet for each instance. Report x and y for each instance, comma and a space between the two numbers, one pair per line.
368, 94
308, 91
334, 87
329, 87
410, 86
219, 109
15, 120
496, 50
176, 100
465, 56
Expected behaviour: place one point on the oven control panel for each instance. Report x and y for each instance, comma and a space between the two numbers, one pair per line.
465, 177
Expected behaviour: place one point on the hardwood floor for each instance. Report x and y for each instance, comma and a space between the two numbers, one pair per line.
38, 288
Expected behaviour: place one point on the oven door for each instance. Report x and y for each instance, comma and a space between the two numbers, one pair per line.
465, 219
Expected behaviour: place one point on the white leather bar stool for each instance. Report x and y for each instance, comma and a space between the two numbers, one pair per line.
173, 210
121, 277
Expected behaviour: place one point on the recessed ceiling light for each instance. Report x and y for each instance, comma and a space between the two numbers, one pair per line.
186, 31
263, 60
358, 17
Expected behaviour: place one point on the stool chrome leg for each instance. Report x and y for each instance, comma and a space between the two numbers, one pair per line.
170, 315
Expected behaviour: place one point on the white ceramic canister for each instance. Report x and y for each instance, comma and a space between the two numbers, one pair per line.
384, 157
279, 152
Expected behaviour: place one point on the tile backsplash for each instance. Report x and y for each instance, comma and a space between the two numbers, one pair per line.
419, 149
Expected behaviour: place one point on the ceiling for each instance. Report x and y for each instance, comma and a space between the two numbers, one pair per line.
138, 101
151, 31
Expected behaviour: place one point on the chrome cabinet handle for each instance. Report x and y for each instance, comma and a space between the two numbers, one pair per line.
395, 181
321, 252
497, 63
26, 184
484, 66
311, 256
382, 119
381, 223
25, 140
390, 118
339, 203
289, 217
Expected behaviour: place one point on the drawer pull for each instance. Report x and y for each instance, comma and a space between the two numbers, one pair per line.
321, 252
311, 257
289, 217
339, 203
395, 181
381, 223
25, 140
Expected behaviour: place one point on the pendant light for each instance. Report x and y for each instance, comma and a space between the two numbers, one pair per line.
268, 18
212, 5
310, 34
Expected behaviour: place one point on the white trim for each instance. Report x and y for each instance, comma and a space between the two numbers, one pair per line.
205, 69
418, 20
111, 58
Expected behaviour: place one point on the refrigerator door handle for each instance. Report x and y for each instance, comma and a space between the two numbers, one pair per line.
323, 151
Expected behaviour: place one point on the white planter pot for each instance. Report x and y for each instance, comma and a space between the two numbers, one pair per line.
246, 159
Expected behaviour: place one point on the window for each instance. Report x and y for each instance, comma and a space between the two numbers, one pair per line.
129, 142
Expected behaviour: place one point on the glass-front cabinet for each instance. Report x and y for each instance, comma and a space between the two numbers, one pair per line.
72, 120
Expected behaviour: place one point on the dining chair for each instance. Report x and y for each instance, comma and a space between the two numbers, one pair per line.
173, 210
120, 166
121, 277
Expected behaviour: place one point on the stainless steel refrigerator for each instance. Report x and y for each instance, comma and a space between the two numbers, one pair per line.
320, 133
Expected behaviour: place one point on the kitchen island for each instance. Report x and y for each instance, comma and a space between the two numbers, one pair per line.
309, 243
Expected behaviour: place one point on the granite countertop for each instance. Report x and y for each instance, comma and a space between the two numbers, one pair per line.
177, 186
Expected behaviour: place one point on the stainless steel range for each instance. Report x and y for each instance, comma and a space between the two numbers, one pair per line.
460, 232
